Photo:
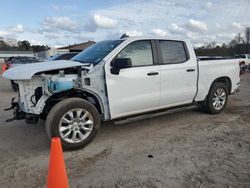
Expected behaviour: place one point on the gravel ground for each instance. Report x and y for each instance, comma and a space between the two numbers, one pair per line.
179, 148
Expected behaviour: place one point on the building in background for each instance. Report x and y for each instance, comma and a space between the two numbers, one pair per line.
76, 47
46, 54
71, 48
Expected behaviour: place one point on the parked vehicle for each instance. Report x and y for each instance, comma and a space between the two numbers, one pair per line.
119, 78
244, 61
20, 60
64, 56
17, 61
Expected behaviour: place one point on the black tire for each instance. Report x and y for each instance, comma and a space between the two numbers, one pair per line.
14, 85
56, 114
209, 107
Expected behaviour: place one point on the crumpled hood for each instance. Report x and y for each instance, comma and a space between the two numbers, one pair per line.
26, 71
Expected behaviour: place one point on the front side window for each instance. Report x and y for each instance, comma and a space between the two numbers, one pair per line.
173, 52
140, 53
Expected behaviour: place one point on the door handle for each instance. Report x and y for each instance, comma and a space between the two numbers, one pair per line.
152, 73
190, 70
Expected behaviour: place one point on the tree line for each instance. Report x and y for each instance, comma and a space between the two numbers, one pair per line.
239, 45
22, 46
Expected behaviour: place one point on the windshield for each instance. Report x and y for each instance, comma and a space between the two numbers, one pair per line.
95, 53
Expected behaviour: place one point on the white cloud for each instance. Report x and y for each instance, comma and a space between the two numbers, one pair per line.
191, 35
104, 22
209, 5
199, 21
82, 37
52, 36
4, 33
217, 25
57, 46
63, 7
183, 18
11, 32
237, 25
134, 33
17, 29
34, 42
196, 26
175, 29
54, 23
159, 32
226, 36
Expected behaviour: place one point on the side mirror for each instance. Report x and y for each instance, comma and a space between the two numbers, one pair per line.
120, 63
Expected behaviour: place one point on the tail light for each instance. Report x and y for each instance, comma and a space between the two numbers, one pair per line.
242, 67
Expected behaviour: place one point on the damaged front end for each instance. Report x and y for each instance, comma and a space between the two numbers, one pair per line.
33, 94
36, 96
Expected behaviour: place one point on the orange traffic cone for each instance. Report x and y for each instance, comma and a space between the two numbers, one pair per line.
57, 176
3, 67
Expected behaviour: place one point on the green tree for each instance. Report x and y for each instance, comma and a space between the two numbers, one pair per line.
247, 35
39, 48
24, 45
3, 45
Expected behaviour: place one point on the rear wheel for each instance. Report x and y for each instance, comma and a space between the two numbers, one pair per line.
217, 98
75, 121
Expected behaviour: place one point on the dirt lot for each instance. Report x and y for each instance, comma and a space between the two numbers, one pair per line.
182, 148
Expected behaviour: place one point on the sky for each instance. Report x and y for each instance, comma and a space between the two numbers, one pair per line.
63, 22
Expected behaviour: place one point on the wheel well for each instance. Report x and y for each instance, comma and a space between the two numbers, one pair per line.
224, 80
57, 97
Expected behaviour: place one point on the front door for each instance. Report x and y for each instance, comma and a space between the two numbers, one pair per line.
135, 89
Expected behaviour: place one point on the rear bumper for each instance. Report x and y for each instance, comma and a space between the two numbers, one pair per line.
237, 90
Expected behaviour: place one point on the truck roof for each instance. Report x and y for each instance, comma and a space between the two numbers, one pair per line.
153, 38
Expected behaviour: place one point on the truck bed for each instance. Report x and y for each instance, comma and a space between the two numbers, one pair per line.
216, 68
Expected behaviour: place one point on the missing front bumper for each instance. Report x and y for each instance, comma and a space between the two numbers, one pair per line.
18, 114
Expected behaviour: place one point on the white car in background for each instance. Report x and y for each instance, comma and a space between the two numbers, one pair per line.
244, 61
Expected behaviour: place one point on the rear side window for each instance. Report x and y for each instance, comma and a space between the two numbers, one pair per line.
173, 52
140, 53
248, 56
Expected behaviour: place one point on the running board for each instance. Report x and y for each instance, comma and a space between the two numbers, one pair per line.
151, 115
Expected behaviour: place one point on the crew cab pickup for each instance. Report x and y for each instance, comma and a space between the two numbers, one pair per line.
115, 79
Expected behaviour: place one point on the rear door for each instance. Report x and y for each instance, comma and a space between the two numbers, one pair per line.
178, 73
135, 89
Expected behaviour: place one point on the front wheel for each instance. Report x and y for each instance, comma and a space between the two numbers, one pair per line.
217, 98
75, 121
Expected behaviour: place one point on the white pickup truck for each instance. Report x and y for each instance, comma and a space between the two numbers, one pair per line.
244, 61
118, 78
